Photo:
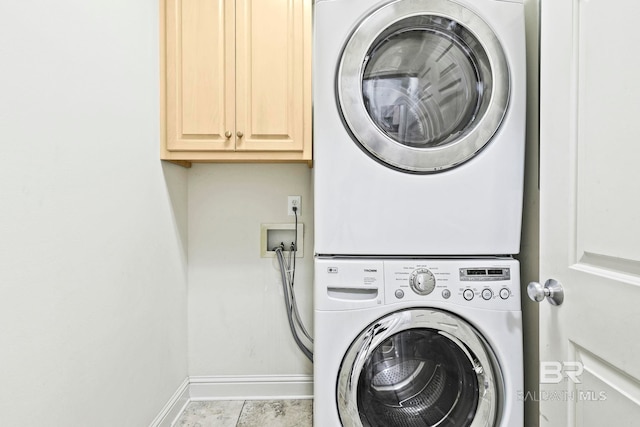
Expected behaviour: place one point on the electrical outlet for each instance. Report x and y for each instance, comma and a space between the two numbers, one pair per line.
294, 201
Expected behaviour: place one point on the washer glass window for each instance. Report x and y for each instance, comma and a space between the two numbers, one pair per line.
418, 378
419, 367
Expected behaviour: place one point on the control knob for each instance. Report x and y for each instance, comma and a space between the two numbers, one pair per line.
422, 281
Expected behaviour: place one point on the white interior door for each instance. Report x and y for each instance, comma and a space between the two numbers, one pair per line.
590, 212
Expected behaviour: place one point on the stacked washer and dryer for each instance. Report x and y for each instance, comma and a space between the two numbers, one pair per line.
419, 124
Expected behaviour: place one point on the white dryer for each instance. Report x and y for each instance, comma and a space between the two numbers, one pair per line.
419, 125
418, 342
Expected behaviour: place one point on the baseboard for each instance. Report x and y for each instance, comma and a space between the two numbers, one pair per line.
251, 387
262, 387
174, 407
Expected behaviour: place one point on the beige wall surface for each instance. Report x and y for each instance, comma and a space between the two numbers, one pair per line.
92, 225
237, 318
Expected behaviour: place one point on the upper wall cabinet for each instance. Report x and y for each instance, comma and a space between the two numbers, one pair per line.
236, 80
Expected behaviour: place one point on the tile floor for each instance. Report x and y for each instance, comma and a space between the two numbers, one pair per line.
247, 413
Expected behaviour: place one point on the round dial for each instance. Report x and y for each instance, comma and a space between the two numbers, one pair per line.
422, 281
468, 294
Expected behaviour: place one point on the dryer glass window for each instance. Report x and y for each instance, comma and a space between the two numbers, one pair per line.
423, 82
423, 85
418, 377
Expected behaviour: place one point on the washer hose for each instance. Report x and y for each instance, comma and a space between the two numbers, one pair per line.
290, 304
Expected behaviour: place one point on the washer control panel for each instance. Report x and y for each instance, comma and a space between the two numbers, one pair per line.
351, 284
489, 283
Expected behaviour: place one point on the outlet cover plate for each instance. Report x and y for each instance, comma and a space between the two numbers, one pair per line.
294, 201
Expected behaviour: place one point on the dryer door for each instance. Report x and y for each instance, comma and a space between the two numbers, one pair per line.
419, 367
423, 85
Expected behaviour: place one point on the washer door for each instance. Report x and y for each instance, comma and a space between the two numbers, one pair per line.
423, 85
419, 367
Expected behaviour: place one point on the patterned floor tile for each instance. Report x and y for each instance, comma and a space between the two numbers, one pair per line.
276, 413
211, 414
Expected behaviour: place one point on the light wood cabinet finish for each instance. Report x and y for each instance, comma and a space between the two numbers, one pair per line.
236, 80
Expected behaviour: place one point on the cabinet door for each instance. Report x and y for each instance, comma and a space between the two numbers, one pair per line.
270, 75
200, 75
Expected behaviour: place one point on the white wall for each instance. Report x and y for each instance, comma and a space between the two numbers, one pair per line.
92, 225
237, 320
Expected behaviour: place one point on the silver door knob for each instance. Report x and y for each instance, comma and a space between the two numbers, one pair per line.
552, 290
228, 134
239, 134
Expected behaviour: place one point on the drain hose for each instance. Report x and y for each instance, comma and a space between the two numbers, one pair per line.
289, 303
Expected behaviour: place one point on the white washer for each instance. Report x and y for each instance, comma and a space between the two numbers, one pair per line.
418, 342
419, 127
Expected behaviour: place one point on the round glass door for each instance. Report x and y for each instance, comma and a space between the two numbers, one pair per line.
408, 370
423, 85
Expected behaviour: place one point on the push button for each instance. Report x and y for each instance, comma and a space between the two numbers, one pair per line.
446, 294
468, 294
399, 294
505, 293
487, 294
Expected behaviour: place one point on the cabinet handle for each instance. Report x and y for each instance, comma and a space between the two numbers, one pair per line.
228, 134
239, 134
